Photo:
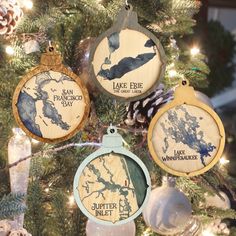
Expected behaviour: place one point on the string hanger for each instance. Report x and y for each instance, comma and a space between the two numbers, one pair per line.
50, 46
127, 6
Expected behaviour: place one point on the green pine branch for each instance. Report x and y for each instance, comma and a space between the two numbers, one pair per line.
12, 205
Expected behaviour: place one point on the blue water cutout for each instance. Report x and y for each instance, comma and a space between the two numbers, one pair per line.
126, 64
184, 130
113, 42
27, 111
149, 43
27, 105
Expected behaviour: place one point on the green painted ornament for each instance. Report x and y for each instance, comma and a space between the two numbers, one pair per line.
112, 185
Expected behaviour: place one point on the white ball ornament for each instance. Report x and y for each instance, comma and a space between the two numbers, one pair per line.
167, 211
95, 229
203, 98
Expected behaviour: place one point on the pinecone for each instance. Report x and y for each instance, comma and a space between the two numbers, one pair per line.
140, 113
10, 14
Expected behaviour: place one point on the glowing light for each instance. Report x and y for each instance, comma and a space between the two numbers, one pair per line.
28, 4
10, 50
86, 55
194, 51
223, 161
34, 141
207, 232
146, 232
71, 201
230, 139
46, 190
171, 65
172, 73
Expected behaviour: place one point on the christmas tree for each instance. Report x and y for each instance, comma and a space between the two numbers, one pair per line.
72, 26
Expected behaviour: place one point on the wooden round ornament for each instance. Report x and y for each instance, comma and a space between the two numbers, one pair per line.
186, 137
51, 103
112, 185
127, 61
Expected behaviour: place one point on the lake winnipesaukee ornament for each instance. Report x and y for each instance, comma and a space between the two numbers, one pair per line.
51, 103
112, 185
127, 61
186, 137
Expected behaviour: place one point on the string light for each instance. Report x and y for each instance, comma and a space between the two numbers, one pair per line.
71, 201
34, 141
172, 73
194, 51
171, 65
86, 55
223, 161
28, 4
230, 139
146, 232
10, 50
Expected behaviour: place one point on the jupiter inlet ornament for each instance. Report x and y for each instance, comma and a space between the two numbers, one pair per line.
186, 137
112, 185
51, 103
127, 61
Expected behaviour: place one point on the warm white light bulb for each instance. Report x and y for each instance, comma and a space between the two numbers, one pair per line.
71, 201
10, 50
171, 65
34, 141
223, 161
46, 190
194, 51
172, 73
28, 4
146, 232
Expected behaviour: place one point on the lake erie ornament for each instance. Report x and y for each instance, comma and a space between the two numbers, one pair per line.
112, 185
51, 103
127, 61
186, 137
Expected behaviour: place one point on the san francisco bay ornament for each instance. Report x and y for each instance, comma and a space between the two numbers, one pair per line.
186, 137
127, 61
50, 103
112, 185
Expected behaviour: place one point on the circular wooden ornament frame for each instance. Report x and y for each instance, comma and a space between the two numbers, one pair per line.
50, 61
127, 19
184, 94
112, 143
